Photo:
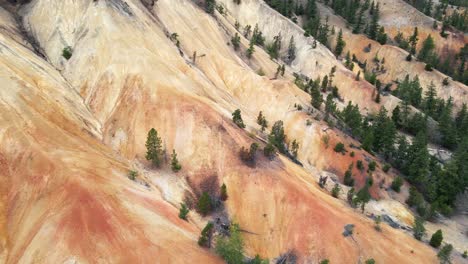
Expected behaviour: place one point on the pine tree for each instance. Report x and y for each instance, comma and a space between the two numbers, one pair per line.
317, 98
340, 43
261, 120
363, 197
183, 212
325, 83
413, 40
154, 150
447, 127
223, 192
291, 50
374, 25
436, 239
237, 118
205, 238
430, 101
348, 179
418, 161
330, 106
236, 41
427, 50
277, 136
418, 228
250, 51
210, 6
204, 204
175, 166
396, 118
444, 254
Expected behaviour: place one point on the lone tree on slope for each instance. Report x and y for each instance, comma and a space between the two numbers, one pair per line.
154, 150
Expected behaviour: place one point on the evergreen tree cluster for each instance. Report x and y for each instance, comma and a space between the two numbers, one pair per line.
436, 183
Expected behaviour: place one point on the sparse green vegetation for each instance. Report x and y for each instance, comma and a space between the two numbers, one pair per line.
231, 248
183, 211
336, 190
67, 52
339, 147
132, 175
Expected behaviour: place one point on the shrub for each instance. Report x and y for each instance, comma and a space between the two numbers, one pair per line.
397, 183
465, 254
386, 168
325, 261
370, 261
372, 165
418, 228
444, 254
377, 222
204, 204
360, 165
336, 190
248, 155
231, 248
428, 67
183, 211
67, 52
352, 154
259, 260
132, 175
436, 239
326, 140
339, 147
223, 191
348, 177
269, 151
205, 237
445, 82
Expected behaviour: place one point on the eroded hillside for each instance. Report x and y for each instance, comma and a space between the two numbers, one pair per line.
72, 129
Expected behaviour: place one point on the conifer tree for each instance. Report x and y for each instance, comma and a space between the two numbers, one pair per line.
204, 204
436, 239
291, 50
261, 120
237, 118
223, 191
183, 212
154, 150
426, 53
418, 228
175, 165
340, 43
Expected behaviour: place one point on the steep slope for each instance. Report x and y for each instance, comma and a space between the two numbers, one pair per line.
133, 87
65, 196
396, 66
